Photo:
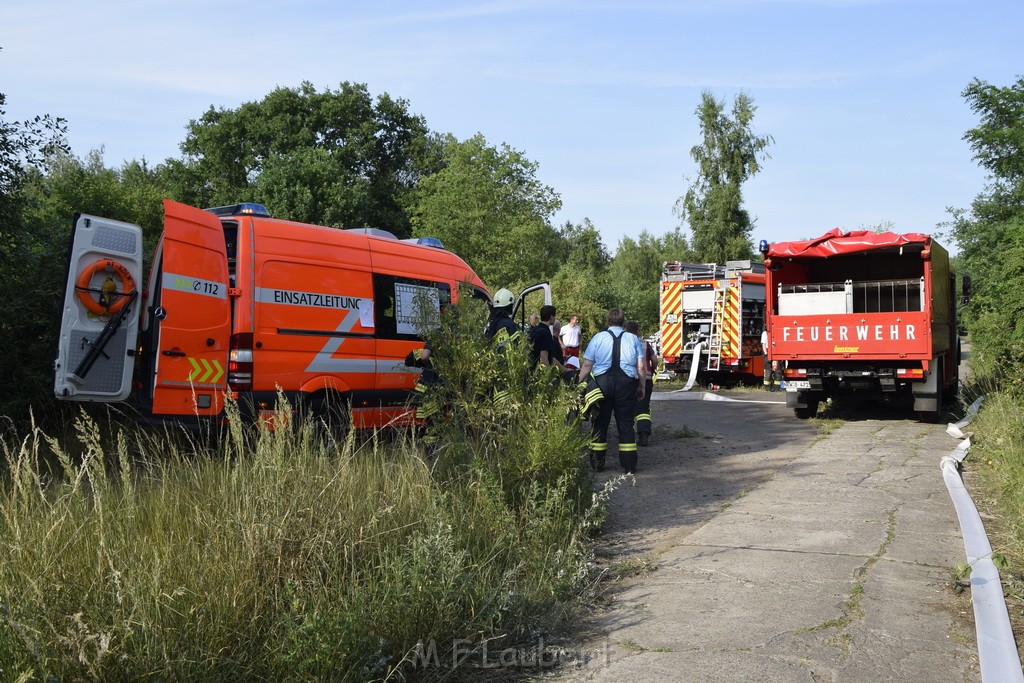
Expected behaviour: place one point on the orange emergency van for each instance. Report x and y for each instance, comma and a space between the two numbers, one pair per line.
238, 302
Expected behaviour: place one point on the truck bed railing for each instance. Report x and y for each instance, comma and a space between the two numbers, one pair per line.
677, 270
872, 296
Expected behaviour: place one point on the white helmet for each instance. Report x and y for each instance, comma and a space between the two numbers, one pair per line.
502, 298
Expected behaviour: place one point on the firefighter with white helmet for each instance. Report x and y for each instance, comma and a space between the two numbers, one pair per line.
501, 329
503, 333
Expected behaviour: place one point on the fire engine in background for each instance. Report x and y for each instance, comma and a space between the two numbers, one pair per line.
711, 320
864, 314
240, 302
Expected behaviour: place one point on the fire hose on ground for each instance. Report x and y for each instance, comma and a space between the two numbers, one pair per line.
997, 650
694, 366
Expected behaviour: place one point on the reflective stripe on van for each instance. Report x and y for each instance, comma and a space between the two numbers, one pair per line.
267, 295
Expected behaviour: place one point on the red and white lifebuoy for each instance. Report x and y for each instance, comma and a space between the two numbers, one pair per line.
110, 301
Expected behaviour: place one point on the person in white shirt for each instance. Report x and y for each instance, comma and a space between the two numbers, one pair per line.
569, 338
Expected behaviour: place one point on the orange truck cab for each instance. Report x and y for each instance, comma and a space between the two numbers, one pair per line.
244, 304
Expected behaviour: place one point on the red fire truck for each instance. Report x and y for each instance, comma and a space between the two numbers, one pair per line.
863, 314
711, 320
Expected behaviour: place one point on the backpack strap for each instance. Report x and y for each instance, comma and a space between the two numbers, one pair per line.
616, 353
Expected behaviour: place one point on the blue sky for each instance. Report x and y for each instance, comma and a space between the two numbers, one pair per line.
863, 97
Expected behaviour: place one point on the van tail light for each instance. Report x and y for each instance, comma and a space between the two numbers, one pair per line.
240, 362
794, 372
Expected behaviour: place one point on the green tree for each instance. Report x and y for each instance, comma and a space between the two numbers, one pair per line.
24, 145
28, 269
580, 287
134, 194
34, 276
582, 246
635, 274
729, 154
991, 237
488, 206
337, 158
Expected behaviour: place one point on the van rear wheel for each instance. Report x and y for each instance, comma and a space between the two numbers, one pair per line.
330, 414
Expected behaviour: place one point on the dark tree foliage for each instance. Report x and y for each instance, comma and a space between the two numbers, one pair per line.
635, 274
582, 246
23, 146
337, 158
991, 237
28, 273
488, 206
728, 156
35, 277
580, 287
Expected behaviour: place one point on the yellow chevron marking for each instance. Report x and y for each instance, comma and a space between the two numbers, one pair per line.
195, 369
671, 304
208, 368
205, 371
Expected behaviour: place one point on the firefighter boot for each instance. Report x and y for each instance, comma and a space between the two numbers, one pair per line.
642, 424
628, 457
597, 453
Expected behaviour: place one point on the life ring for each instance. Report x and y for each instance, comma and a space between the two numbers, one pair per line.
110, 301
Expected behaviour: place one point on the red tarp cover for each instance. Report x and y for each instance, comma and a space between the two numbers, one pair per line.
835, 241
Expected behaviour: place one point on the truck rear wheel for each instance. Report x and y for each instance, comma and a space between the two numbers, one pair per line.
929, 409
810, 411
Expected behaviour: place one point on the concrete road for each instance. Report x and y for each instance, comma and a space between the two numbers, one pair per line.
751, 549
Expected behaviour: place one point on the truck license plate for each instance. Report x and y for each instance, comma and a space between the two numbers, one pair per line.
793, 385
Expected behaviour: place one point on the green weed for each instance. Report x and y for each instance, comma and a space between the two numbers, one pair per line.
288, 555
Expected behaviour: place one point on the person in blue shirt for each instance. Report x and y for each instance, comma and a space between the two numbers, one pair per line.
616, 360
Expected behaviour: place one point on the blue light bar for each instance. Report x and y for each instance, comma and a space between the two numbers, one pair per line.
425, 242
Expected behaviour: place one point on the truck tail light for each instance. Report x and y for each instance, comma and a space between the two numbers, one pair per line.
794, 372
240, 362
910, 373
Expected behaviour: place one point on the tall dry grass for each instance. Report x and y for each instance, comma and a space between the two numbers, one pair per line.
286, 554
998, 452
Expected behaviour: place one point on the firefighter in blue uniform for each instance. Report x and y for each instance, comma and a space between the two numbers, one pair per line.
615, 357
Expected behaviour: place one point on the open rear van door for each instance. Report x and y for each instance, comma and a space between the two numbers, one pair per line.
191, 315
527, 302
100, 317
